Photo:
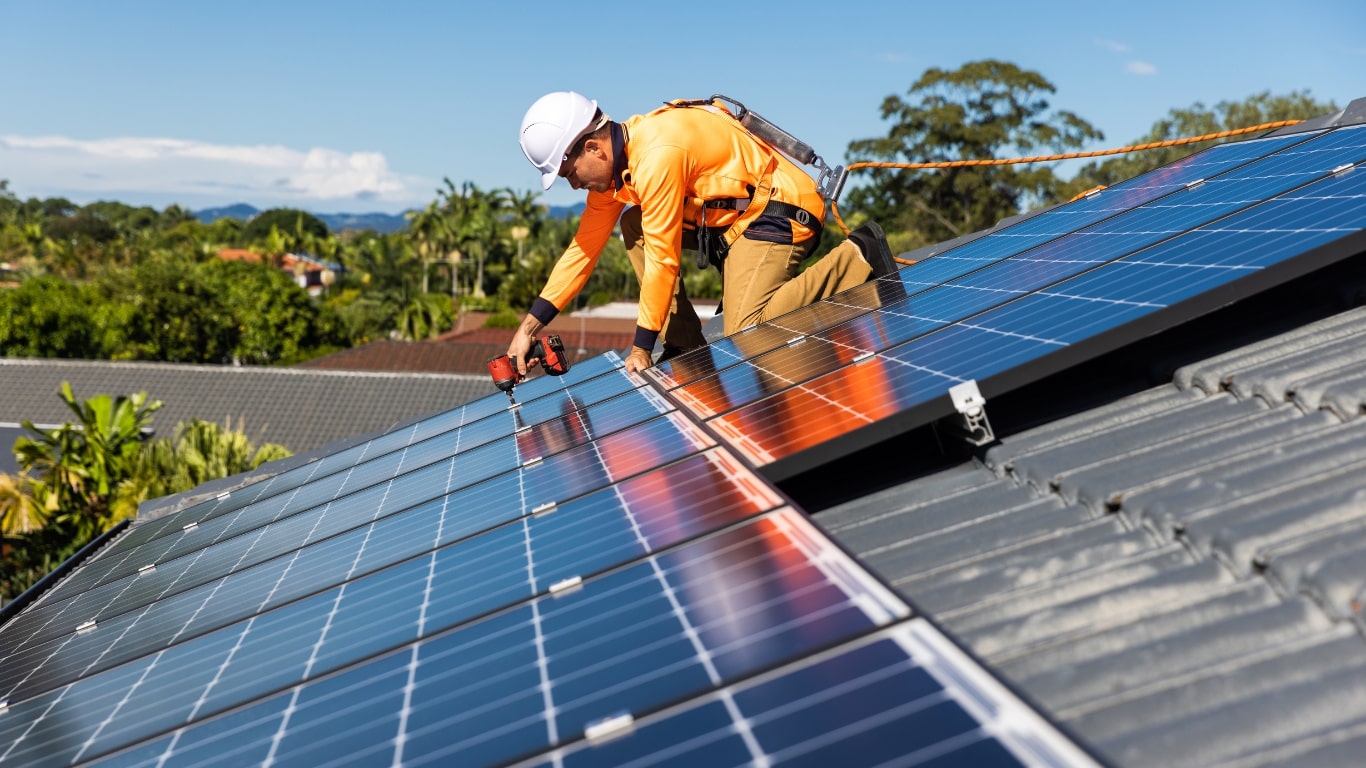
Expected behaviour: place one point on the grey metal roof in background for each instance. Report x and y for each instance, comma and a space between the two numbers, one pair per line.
300, 409
1179, 576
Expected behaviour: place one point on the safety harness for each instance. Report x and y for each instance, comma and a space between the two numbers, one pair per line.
712, 245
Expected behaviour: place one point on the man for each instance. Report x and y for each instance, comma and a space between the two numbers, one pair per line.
695, 178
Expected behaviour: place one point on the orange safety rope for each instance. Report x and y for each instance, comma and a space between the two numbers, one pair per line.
834, 208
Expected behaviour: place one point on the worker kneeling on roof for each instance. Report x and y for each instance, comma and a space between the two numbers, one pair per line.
696, 179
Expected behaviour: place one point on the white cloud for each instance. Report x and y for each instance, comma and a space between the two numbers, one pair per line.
1140, 68
1114, 46
180, 169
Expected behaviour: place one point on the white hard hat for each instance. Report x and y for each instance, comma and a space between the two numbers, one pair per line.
551, 127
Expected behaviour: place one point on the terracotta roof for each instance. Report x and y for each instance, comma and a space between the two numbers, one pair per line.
468, 348
466, 356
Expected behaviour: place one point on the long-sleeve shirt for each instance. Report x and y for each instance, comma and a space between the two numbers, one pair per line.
668, 162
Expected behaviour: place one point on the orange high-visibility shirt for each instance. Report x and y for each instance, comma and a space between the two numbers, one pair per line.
668, 162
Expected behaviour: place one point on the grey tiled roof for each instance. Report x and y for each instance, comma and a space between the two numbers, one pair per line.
1178, 576
300, 409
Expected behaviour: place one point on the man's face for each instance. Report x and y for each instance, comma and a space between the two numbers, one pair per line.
588, 165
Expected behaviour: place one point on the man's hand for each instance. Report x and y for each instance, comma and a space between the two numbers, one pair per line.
638, 360
522, 341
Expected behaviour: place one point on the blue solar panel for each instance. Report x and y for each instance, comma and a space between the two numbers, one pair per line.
902, 696
451, 654
1005, 279
485, 447
135, 611
963, 259
1117, 275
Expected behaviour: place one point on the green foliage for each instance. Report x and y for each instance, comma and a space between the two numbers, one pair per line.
1197, 120
82, 477
163, 310
83, 467
200, 451
275, 321
425, 316
48, 317
504, 319
984, 109
289, 221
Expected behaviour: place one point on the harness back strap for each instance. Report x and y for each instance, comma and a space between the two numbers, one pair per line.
763, 191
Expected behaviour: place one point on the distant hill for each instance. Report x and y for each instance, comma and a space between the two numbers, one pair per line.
383, 223
336, 222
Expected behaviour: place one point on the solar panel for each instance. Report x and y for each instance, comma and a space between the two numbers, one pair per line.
338, 534
453, 590
901, 696
890, 368
482, 669
945, 266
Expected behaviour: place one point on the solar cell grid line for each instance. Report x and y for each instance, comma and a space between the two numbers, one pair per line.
1074, 319
969, 256
1213, 163
490, 456
723, 469
611, 642
774, 333
557, 478
61, 616
591, 382
903, 695
1023, 273
683, 500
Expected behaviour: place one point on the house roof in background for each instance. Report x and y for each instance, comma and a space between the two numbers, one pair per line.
468, 348
300, 409
1176, 576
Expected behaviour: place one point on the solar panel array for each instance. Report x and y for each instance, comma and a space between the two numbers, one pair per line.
1028, 299
493, 585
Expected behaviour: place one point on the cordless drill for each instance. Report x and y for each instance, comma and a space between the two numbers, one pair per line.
548, 349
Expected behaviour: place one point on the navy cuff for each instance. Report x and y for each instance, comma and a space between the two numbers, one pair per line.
645, 339
543, 310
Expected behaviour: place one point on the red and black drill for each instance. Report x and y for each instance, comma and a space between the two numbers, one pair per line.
548, 349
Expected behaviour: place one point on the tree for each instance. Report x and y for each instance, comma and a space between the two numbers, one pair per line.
199, 451
90, 473
163, 309
290, 221
20, 512
425, 316
82, 467
48, 317
1197, 120
984, 109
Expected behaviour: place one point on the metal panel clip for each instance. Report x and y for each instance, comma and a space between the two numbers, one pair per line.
972, 413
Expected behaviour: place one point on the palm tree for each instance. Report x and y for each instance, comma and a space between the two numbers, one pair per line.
20, 511
82, 467
475, 217
199, 452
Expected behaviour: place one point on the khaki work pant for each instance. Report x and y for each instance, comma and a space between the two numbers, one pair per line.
758, 283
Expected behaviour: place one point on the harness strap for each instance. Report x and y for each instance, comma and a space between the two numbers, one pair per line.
762, 192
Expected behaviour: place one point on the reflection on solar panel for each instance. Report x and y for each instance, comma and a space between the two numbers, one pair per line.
1017, 304
483, 586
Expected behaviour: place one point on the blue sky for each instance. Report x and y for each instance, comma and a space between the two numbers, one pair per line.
346, 106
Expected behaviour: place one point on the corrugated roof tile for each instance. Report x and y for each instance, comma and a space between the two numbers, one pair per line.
1177, 575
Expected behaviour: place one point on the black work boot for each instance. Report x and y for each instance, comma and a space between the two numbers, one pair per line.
872, 242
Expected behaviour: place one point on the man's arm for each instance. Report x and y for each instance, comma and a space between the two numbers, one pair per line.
570, 274
661, 182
